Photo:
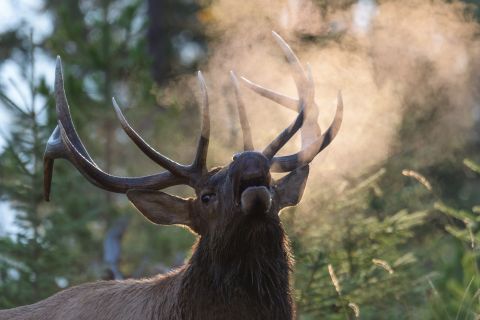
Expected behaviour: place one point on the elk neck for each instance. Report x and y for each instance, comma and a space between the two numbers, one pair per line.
250, 263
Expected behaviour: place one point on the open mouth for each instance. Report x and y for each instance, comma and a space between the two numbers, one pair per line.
246, 182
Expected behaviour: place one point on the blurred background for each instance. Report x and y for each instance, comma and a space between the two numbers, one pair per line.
389, 226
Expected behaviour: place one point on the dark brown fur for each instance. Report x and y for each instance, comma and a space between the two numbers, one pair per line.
243, 276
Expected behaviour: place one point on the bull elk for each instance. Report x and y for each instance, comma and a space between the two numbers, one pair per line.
241, 261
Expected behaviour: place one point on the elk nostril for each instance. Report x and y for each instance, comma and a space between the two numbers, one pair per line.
253, 182
250, 181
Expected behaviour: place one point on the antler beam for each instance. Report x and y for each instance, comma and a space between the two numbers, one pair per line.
65, 143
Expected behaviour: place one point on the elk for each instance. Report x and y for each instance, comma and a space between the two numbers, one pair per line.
241, 261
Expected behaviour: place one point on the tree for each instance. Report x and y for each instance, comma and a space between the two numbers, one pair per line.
43, 256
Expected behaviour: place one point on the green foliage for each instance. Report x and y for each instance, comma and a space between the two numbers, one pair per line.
45, 251
464, 287
368, 256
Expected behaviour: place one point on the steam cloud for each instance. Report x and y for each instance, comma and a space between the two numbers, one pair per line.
388, 58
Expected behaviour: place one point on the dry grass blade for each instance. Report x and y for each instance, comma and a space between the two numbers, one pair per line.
383, 264
334, 278
472, 165
355, 309
417, 176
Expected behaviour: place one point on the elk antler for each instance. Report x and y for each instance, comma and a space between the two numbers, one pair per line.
312, 141
199, 163
65, 143
242, 114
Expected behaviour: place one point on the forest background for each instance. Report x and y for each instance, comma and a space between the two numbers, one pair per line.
389, 226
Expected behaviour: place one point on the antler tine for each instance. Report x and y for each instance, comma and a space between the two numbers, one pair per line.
310, 130
63, 111
306, 155
199, 164
297, 70
289, 102
242, 114
153, 154
54, 150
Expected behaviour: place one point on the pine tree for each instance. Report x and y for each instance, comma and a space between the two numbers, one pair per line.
43, 255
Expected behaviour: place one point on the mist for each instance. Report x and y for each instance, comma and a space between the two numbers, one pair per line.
387, 58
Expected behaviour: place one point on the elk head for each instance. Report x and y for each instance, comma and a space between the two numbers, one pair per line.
242, 190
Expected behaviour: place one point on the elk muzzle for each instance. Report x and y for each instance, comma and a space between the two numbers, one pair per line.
256, 200
252, 183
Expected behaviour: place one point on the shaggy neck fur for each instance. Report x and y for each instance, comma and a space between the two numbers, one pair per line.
244, 274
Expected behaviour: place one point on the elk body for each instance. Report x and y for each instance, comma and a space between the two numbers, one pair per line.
241, 262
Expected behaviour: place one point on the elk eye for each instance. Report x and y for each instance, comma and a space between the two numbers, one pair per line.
207, 197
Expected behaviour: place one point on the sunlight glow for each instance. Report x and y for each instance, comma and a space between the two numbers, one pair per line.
363, 15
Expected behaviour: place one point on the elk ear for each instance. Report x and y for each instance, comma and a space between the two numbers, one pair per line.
290, 188
161, 208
